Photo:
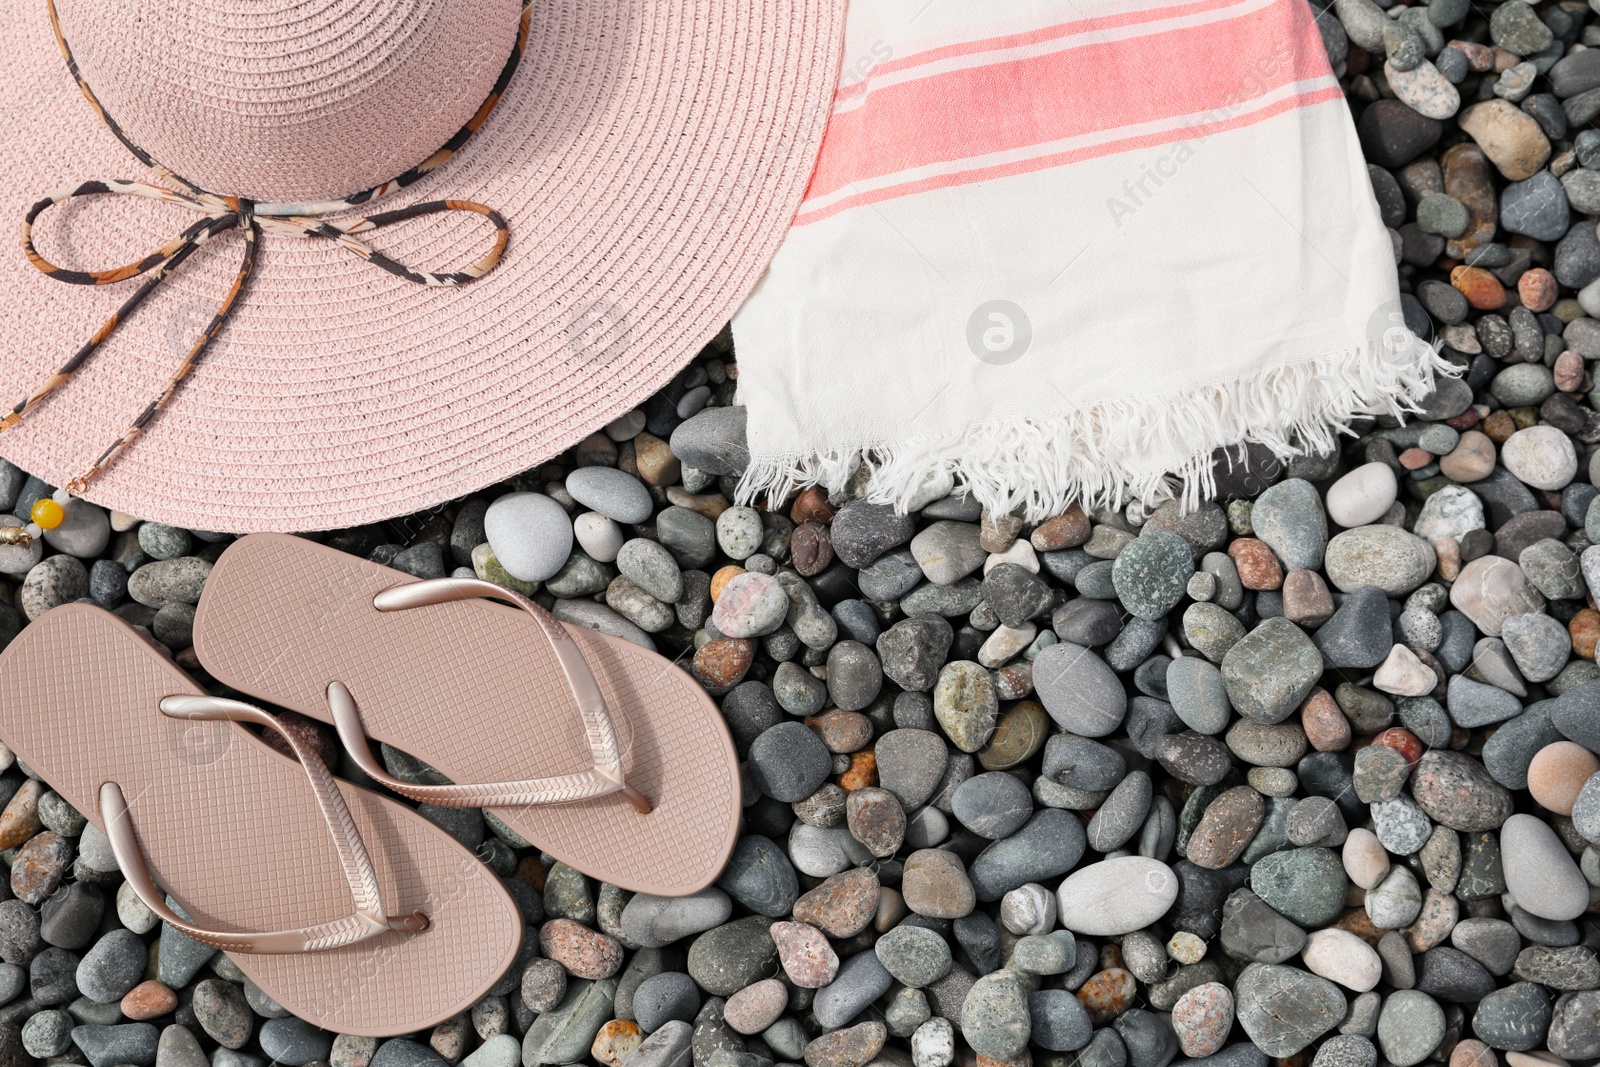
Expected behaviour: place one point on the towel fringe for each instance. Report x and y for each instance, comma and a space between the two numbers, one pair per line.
1098, 455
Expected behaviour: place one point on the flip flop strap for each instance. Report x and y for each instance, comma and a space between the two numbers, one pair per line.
367, 920
604, 777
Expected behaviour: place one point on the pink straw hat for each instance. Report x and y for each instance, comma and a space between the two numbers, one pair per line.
339, 260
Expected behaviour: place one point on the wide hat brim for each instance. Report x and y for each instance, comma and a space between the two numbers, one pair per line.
648, 156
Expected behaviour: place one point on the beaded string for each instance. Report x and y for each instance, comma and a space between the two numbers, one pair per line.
219, 214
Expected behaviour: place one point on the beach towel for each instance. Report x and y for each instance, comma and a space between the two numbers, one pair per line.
1064, 250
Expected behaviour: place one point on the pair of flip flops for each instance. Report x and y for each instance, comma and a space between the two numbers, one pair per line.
349, 909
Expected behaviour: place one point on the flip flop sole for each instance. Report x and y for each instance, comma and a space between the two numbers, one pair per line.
473, 689
230, 829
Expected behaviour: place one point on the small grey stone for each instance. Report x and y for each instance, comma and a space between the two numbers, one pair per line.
652, 568
670, 1045
1058, 1021
1473, 704
915, 956
613, 493
1513, 1018
1410, 1026
112, 1046
1271, 671
713, 441
1079, 690
913, 650
1252, 930
1283, 1009
1307, 885
1574, 967
861, 532
1047, 847
654, 922
1385, 556
561, 1035
760, 877
995, 1019
1539, 644
861, 980
664, 997
1198, 695
1492, 942
1151, 574
733, 955
1359, 633
788, 762
294, 1042
1289, 517
112, 967
993, 805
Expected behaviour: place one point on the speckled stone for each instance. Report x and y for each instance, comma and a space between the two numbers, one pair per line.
1457, 791
1202, 1018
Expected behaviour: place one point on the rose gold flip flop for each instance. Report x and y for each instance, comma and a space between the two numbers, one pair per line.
600, 752
372, 920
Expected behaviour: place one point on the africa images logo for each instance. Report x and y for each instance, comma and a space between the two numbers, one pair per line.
999, 332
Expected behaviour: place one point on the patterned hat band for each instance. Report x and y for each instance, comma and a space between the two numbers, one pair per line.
220, 213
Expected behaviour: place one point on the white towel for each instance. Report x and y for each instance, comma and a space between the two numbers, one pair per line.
1062, 250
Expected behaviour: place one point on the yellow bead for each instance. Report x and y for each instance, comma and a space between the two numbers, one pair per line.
47, 513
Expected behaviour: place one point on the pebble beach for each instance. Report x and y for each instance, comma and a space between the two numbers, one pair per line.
1308, 774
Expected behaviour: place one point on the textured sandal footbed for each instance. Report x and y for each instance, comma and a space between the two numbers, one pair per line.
473, 689
230, 829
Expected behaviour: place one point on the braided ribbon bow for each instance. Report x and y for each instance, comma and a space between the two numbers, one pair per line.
219, 214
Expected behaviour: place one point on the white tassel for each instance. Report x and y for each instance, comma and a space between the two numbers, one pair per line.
1099, 455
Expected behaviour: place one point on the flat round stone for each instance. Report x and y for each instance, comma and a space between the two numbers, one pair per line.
1117, 896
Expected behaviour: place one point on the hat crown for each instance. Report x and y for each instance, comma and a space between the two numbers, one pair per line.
290, 100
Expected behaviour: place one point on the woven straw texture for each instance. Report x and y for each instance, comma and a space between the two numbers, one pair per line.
648, 156
230, 829
473, 689
291, 99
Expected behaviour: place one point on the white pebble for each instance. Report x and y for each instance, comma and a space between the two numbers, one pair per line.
598, 536
934, 1044
739, 532
1005, 643
132, 911
1342, 957
530, 534
1028, 909
1362, 496
1540, 456
1116, 896
1365, 860
1540, 874
1402, 674
1021, 553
